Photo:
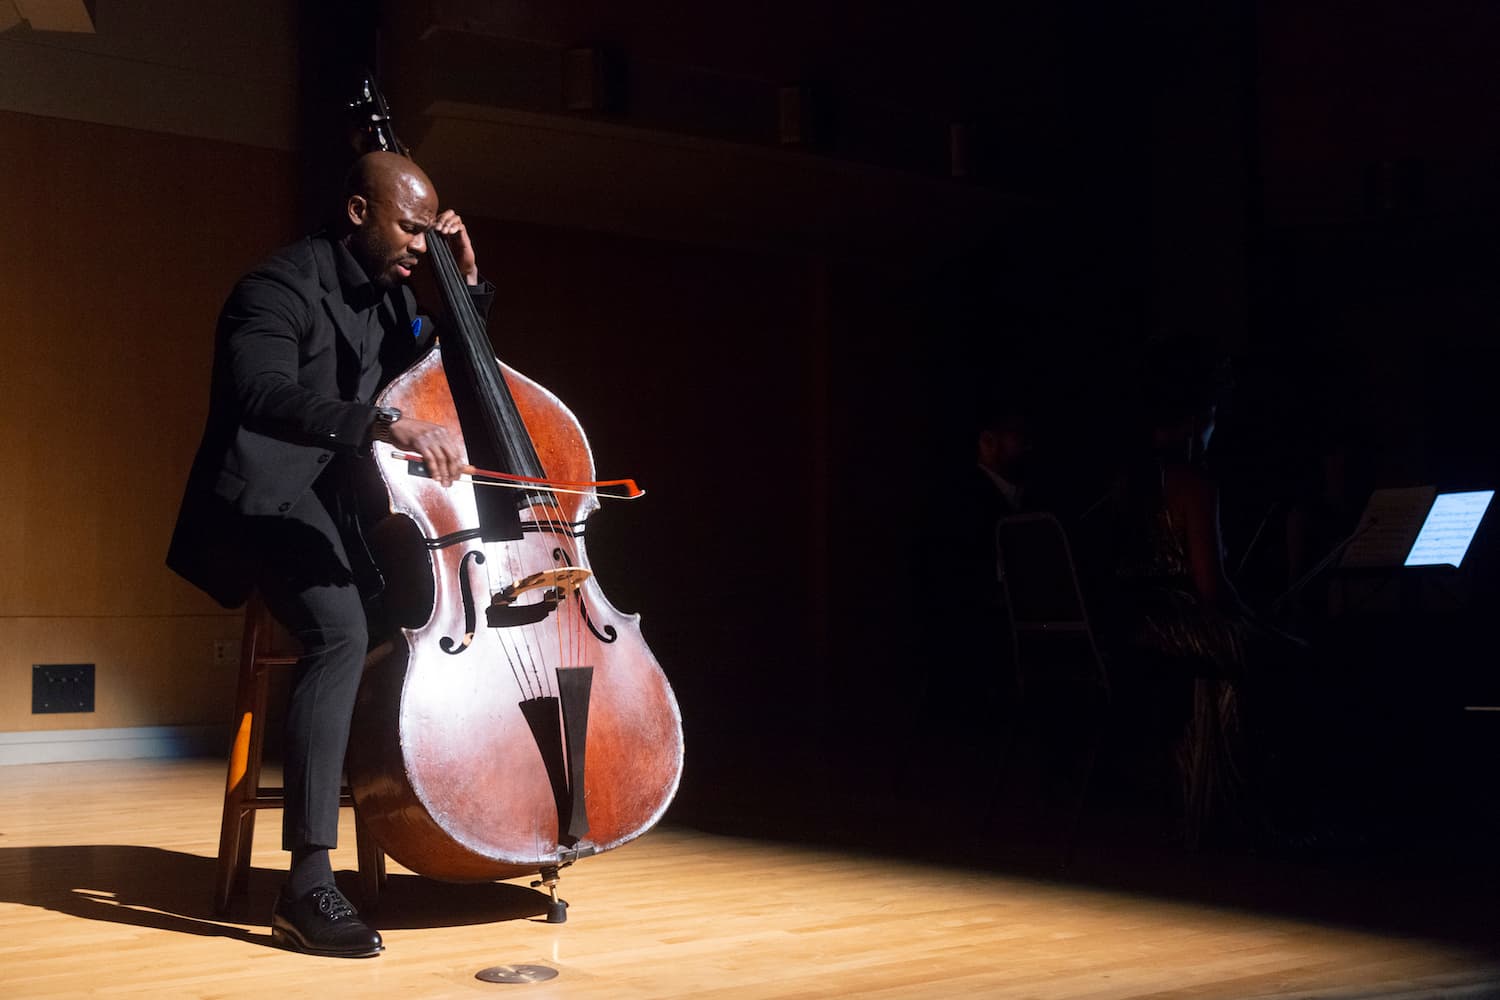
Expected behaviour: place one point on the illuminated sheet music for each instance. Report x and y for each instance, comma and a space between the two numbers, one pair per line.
1449, 528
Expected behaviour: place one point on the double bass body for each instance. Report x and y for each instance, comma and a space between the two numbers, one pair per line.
517, 720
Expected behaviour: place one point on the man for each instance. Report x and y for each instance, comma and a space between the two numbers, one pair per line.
304, 343
1002, 449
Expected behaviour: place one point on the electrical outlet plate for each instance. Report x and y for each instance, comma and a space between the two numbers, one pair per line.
62, 687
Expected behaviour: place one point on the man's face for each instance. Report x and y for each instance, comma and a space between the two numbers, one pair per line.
390, 229
1004, 449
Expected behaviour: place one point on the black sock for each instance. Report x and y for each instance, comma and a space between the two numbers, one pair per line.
310, 869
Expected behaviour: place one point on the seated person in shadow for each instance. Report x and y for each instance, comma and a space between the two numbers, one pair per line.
997, 486
968, 690
1002, 449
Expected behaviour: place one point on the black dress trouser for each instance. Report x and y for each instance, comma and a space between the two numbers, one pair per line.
306, 582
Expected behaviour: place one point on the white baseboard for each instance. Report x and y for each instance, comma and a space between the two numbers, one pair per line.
50, 746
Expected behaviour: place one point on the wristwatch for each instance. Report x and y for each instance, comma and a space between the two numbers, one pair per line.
380, 430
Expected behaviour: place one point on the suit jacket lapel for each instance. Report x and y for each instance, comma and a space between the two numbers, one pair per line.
343, 318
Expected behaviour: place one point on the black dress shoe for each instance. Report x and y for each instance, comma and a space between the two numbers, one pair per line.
323, 923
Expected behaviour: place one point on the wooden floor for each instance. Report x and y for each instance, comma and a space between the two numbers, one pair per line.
105, 882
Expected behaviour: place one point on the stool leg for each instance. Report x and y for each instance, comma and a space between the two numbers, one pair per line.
251, 784
371, 866
243, 794
231, 827
240, 785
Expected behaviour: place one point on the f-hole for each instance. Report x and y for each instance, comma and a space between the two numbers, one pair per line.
448, 644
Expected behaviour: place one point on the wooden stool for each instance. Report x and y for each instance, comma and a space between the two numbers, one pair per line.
243, 792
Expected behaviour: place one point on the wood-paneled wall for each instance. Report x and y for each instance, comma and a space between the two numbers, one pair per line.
122, 245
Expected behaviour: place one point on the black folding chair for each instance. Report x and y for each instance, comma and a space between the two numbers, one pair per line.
1055, 655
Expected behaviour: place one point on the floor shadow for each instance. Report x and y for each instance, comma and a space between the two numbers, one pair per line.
171, 890
413, 901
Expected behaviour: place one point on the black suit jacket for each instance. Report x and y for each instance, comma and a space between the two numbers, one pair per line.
282, 403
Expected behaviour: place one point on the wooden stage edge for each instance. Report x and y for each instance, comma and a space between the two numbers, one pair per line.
106, 873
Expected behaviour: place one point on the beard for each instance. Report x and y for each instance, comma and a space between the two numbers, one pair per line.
377, 259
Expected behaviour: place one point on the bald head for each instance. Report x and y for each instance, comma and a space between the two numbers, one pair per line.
389, 203
381, 174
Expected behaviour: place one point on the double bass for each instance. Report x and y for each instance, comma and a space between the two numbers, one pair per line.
514, 721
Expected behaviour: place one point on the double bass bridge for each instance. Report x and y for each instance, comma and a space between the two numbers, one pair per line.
556, 584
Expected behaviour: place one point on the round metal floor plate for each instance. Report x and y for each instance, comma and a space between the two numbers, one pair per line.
515, 974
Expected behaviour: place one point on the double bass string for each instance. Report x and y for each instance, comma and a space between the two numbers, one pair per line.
575, 609
567, 643
570, 639
517, 669
523, 657
552, 523
539, 686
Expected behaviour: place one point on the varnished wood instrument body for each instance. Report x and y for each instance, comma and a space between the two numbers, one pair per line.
446, 762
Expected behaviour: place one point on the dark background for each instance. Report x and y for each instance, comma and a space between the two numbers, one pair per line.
1309, 185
